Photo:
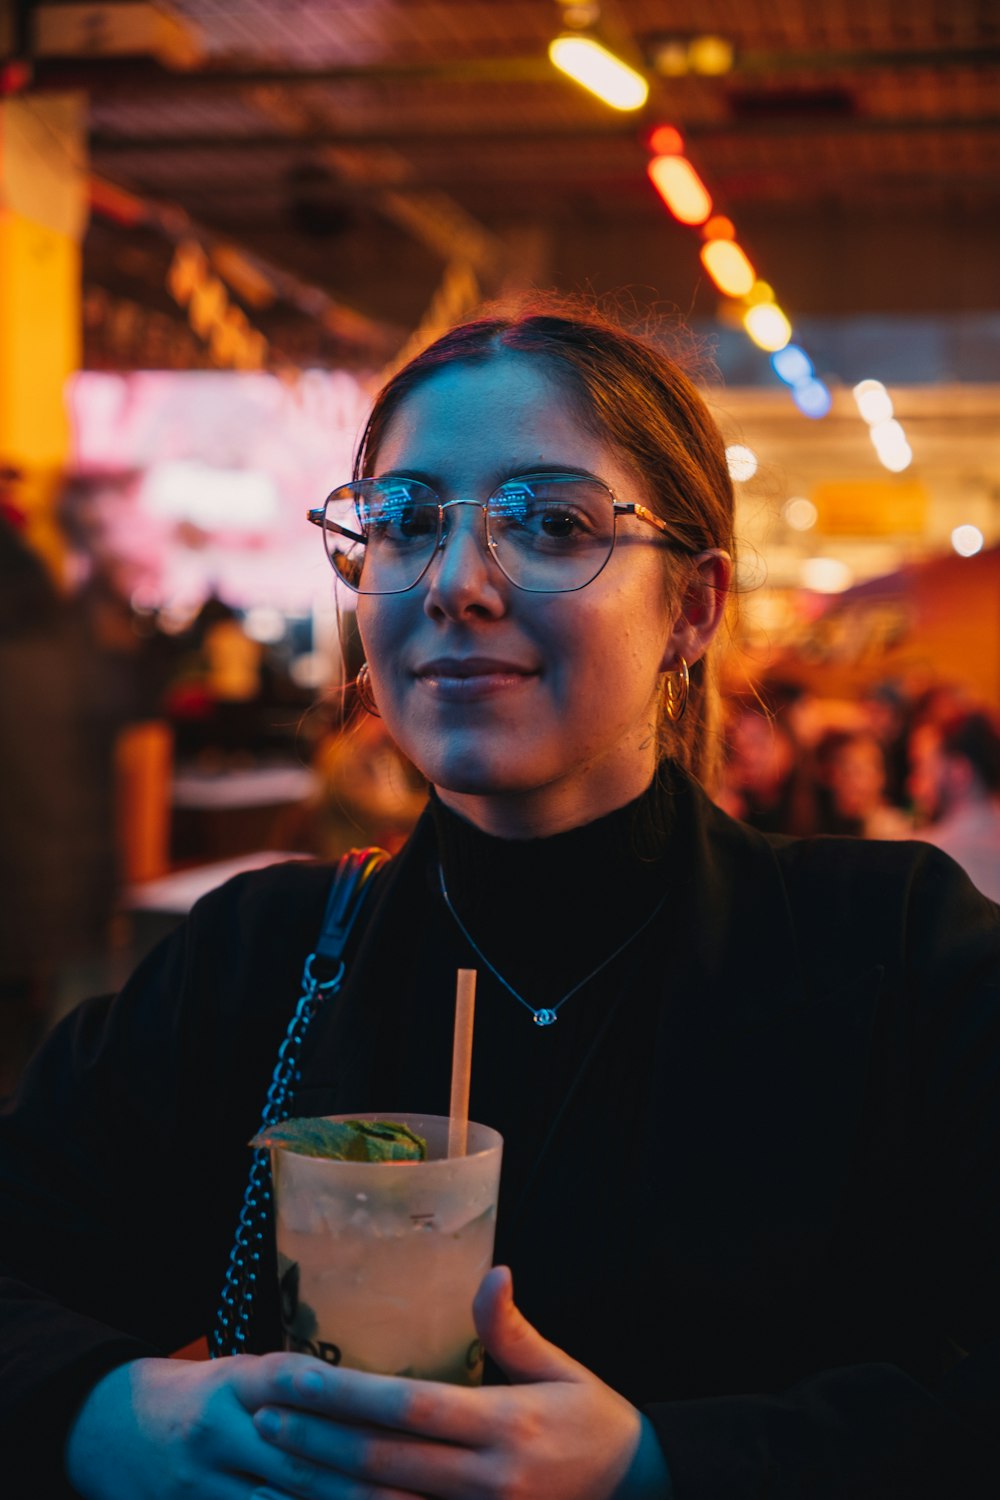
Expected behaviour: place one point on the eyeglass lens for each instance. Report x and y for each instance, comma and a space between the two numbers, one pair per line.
548, 533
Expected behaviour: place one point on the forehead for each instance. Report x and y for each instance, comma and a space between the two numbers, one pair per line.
479, 423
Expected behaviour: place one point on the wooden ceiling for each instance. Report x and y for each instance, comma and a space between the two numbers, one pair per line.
379, 160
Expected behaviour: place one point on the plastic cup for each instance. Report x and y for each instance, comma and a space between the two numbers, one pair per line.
378, 1262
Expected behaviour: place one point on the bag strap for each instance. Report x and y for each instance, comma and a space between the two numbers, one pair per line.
322, 977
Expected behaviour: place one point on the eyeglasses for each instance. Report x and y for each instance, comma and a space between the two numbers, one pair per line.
547, 533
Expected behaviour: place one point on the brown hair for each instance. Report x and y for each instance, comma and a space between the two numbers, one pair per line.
637, 399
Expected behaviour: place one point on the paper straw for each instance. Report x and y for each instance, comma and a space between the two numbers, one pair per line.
461, 1062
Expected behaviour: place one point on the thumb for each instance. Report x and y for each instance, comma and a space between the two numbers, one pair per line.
511, 1341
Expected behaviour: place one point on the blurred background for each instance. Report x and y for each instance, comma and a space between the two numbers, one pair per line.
224, 222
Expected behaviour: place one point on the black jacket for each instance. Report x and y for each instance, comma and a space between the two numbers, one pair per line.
768, 1211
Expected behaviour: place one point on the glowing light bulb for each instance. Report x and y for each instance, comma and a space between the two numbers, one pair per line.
897, 459
719, 228
894, 452
741, 462
761, 291
728, 267
800, 513
873, 401
812, 398
681, 189
597, 69
792, 365
767, 326
967, 540
666, 140
711, 56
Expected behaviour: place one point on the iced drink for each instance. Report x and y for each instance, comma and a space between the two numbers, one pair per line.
379, 1260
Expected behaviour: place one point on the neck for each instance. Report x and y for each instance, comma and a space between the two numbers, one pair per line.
544, 811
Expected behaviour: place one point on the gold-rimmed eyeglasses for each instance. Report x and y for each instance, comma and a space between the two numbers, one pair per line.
547, 533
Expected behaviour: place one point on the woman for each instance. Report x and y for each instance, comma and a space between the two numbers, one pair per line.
746, 1085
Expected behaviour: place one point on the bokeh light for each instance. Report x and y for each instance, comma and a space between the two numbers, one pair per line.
792, 365
812, 398
666, 140
893, 450
967, 540
742, 462
681, 189
728, 267
719, 228
767, 326
597, 69
800, 513
825, 575
873, 401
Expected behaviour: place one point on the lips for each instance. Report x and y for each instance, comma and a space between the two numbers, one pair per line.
464, 667
466, 679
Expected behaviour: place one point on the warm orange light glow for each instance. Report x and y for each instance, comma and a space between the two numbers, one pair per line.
681, 189
588, 63
767, 326
728, 267
666, 140
710, 55
761, 291
719, 228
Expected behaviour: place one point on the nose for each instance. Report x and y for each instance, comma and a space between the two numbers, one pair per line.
463, 577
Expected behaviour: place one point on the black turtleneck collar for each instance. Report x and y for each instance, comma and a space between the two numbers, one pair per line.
545, 910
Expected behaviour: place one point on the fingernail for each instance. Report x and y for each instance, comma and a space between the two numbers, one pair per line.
310, 1383
268, 1422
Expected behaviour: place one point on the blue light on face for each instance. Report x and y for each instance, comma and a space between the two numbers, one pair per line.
812, 398
792, 365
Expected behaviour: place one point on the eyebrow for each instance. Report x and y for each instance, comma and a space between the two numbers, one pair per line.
512, 472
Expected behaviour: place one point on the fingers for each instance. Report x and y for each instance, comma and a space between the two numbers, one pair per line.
516, 1346
343, 1462
425, 1408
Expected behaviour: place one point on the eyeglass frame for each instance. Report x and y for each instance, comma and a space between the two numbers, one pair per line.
317, 517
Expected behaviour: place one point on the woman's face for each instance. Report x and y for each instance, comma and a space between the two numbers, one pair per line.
529, 712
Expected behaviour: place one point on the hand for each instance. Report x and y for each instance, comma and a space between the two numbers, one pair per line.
156, 1429
557, 1433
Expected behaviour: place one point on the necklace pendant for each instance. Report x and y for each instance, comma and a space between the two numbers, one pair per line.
544, 1017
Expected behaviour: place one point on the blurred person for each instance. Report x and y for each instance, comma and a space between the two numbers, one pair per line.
851, 769
765, 782
955, 786
57, 858
887, 711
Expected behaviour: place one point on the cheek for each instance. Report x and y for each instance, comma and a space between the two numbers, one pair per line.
380, 635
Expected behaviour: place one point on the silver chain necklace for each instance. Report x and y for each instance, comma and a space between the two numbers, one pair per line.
544, 1015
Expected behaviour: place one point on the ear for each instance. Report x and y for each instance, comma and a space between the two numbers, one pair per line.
703, 605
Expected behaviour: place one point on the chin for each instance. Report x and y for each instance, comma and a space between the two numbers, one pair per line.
480, 781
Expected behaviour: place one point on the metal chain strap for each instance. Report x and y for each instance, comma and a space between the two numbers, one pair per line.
236, 1302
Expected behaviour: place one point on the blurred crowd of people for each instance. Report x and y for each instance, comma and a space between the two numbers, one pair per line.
894, 764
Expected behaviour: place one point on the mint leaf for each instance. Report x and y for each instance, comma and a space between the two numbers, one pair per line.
345, 1140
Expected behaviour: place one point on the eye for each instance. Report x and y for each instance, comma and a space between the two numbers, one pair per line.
393, 514
558, 522
551, 510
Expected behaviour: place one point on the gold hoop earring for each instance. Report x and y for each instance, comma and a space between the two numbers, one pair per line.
678, 685
363, 687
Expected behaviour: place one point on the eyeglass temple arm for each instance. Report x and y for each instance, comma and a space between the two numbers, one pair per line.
319, 518
633, 508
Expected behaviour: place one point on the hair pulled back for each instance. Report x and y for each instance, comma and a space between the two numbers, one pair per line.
639, 401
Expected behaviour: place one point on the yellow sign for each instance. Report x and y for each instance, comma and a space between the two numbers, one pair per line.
871, 507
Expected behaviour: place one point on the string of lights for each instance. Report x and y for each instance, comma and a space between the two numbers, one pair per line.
590, 63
